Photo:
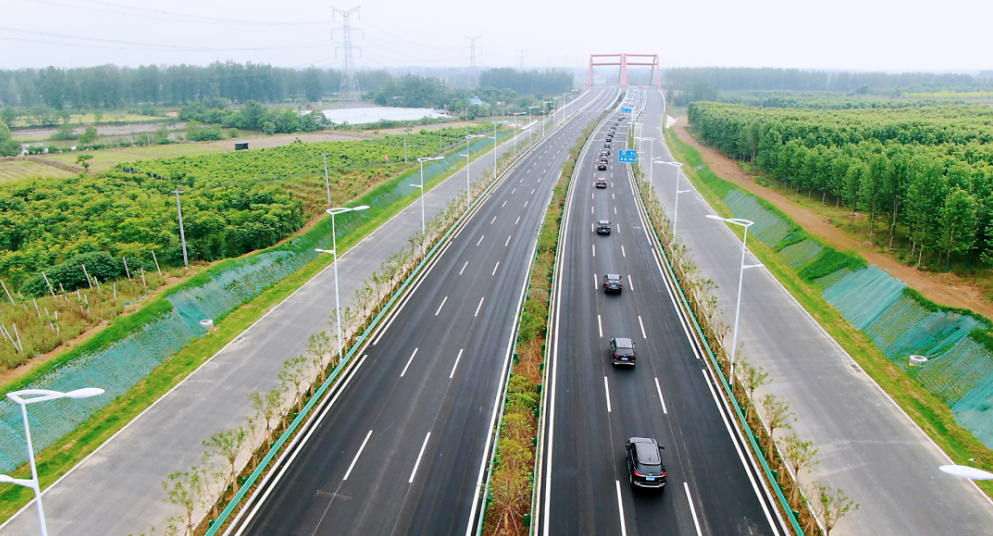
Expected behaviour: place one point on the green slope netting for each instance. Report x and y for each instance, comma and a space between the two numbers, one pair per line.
119, 367
769, 228
863, 295
799, 254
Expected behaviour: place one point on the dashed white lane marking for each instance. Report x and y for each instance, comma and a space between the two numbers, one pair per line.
507, 242
596, 283
467, 264
478, 307
357, 454
526, 204
630, 282
498, 265
480, 239
418, 462
594, 250
618, 227
689, 498
642, 324
504, 204
599, 326
512, 191
446, 299
623, 254
409, 361
532, 190
518, 219
606, 391
493, 220
592, 210
659, 388
460, 357
620, 508
615, 211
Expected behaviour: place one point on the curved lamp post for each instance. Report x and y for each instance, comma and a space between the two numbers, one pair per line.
741, 275
32, 396
334, 251
675, 216
965, 471
467, 138
421, 186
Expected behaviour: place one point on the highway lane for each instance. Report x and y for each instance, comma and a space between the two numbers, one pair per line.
868, 445
668, 395
117, 490
400, 451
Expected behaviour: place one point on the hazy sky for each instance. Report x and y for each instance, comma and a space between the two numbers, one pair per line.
840, 34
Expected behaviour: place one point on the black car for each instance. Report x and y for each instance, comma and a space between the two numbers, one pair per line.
645, 467
612, 283
602, 166
601, 183
622, 351
610, 138
606, 146
603, 227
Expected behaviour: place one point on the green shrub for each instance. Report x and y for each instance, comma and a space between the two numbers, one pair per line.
829, 261
69, 274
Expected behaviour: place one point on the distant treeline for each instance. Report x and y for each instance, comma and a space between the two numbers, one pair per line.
742, 79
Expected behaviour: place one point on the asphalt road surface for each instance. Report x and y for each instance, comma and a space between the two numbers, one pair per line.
401, 450
595, 407
117, 490
868, 446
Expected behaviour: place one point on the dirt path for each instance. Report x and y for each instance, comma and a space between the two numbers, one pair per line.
945, 289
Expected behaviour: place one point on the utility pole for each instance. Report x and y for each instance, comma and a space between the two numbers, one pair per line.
182, 233
349, 83
472, 55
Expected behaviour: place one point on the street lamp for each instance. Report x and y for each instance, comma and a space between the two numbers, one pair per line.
530, 131
31, 396
421, 186
182, 233
965, 471
467, 138
741, 275
544, 116
327, 182
675, 216
334, 251
651, 158
515, 130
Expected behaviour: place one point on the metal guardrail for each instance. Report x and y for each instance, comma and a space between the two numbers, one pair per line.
719, 373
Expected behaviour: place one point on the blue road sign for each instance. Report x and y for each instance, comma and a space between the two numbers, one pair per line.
626, 110
628, 156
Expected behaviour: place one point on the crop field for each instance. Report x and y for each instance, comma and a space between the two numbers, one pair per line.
13, 170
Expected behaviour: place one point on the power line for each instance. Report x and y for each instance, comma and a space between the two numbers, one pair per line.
203, 18
150, 46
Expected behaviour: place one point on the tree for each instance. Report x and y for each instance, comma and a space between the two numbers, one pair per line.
293, 375
312, 84
751, 378
958, 223
185, 489
799, 455
702, 91
777, 415
82, 161
830, 505
89, 135
319, 347
227, 444
8, 115
268, 406
925, 197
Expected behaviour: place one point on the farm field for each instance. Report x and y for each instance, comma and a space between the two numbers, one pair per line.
16, 169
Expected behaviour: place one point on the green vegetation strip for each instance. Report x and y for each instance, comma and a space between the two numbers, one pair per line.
58, 459
924, 408
509, 507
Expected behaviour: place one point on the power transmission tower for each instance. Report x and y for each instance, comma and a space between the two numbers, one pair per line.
349, 90
472, 55
521, 52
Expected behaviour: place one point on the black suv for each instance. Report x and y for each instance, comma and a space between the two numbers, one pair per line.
645, 467
612, 283
622, 351
601, 183
603, 227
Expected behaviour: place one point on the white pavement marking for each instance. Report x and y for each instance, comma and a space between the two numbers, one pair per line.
418, 462
508, 241
479, 306
659, 388
409, 361
526, 204
446, 297
618, 227
612, 196
504, 204
592, 195
623, 254
460, 357
620, 508
689, 498
512, 191
606, 391
532, 190
480, 240
591, 210
630, 281
594, 250
518, 219
599, 325
495, 268
357, 454
467, 264
642, 324
596, 284
615, 210
493, 220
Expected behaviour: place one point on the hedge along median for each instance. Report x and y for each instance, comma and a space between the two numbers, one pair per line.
123, 355
877, 319
510, 484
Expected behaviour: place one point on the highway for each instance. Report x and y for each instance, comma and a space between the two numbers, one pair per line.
868, 446
117, 490
402, 448
594, 407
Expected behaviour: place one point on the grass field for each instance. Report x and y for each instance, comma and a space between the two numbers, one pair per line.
108, 158
89, 118
12, 170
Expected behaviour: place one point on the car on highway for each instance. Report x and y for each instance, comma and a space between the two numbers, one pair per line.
644, 459
602, 166
601, 183
622, 351
612, 283
603, 227
605, 152
606, 146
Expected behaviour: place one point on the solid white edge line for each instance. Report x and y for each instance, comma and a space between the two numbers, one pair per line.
689, 499
478, 307
357, 454
642, 324
620, 508
606, 390
418, 462
456, 365
495, 268
409, 361
661, 398
442, 304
